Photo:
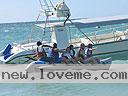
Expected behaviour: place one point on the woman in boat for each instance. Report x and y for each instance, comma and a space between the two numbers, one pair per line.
81, 54
41, 54
89, 56
85, 56
67, 57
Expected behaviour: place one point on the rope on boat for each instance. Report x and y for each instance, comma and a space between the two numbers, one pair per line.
38, 17
77, 28
46, 4
45, 10
51, 4
70, 35
30, 39
67, 19
45, 24
41, 4
73, 24
81, 31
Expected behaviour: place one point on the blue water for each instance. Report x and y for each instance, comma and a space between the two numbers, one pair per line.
22, 32
63, 90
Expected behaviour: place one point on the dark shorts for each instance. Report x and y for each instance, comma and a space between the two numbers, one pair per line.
58, 60
47, 59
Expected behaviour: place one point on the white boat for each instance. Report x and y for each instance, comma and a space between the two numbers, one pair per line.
61, 67
114, 42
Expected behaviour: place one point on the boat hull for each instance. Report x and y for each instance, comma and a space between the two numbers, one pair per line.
101, 49
111, 47
63, 67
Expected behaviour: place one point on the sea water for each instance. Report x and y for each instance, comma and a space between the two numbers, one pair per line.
25, 32
63, 89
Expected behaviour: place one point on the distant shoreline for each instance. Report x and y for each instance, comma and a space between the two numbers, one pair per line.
33, 22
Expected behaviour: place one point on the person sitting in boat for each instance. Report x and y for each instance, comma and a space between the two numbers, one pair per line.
72, 51
67, 58
81, 54
54, 53
85, 56
41, 54
88, 53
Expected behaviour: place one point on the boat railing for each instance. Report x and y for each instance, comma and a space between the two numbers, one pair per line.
114, 33
98, 36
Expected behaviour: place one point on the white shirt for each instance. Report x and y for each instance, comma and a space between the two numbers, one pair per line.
40, 49
67, 54
85, 52
50, 52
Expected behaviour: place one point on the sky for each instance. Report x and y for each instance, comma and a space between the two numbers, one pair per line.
28, 10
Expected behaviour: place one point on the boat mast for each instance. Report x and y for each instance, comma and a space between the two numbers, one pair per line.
46, 11
60, 10
64, 11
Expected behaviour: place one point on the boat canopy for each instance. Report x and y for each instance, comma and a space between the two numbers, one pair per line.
93, 22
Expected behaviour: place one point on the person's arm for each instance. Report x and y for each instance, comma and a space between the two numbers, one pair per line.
74, 53
61, 51
36, 52
56, 49
47, 46
92, 49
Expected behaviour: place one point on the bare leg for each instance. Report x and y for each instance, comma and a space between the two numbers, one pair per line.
65, 60
91, 59
81, 60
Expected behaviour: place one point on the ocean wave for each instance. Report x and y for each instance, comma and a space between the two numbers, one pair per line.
6, 30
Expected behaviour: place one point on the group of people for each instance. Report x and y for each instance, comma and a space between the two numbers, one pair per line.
84, 55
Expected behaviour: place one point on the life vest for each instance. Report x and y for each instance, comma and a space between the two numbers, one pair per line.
88, 53
67, 55
72, 53
55, 54
40, 52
